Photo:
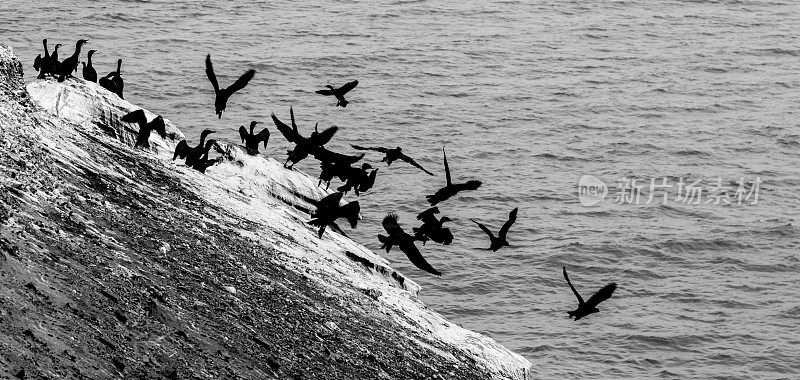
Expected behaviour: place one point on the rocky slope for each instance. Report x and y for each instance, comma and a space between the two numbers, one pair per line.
120, 263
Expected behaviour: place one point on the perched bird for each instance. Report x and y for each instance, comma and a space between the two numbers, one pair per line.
450, 189
192, 155
42, 63
433, 228
329, 209
339, 92
499, 241
157, 124
89, 72
303, 146
54, 65
203, 163
251, 140
113, 81
405, 242
222, 95
590, 306
392, 155
69, 65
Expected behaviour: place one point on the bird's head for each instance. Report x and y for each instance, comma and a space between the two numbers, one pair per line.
445, 219
80, 43
91, 52
55, 49
252, 126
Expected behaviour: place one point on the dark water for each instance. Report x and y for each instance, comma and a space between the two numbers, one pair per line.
528, 97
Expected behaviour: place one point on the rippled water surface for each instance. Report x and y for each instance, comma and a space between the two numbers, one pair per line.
528, 96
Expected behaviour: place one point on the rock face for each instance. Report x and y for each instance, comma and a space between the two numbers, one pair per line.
118, 262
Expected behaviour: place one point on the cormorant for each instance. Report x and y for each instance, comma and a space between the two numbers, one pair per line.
451, 189
42, 64
328, 210
405, 242
339, 92
433, 228
113, 81
89, 72
191, 155
145, 128
392, 155
303, 146
334, 165
359, 179
203, 163
223, 94
69, 65
499, 241
251, 140
590, 306
54, 66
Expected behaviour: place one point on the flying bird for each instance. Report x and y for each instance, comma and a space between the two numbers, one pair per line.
500, 241
303, 146
392, 155
192, 155
145, 128
359, 179
405, 242
328, 210
590, 306
450, 188
222, 95
339, 92
433, 228
252, 140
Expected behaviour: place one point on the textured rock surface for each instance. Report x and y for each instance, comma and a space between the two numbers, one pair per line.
118, 262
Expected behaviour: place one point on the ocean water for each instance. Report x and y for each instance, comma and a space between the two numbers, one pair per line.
527, 96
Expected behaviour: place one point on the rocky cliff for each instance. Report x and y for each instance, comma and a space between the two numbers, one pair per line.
117, 262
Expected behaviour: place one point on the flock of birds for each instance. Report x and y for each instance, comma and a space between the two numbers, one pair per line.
333, 165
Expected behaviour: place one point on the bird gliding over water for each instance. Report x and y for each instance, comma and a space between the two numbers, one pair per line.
450, 188
500, 241
222, 94
392, 154
339, 92
590, 306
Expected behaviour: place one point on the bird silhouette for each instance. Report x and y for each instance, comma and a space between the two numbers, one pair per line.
339, 92
450, 188
329, 209
303, 146
145, 128
392, 154
405, 242
432, 228
113, 81
500, 241
70, 64
590, 306
251, 140
203, 162
190, 154
89, 73
223, 94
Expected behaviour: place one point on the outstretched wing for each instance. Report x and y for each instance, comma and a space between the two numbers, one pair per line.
412, 162
243, 133
241, 82
347, 87
580, 299
137, 116
376, 148
210, 73
390, 225
285, 130
512, 217
159, 126
428, 214
330, 202
469, 185
491, 235
324, 92
416, 258
325, 136
263, 136
601, 295
446, 168
181, 150
326, 155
